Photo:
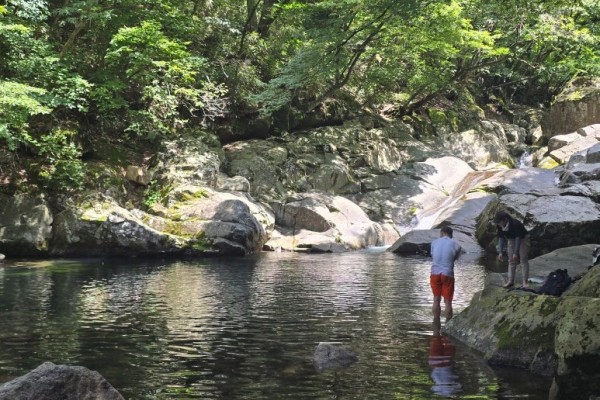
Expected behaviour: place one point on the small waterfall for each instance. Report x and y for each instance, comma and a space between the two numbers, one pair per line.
526, 160
426, 219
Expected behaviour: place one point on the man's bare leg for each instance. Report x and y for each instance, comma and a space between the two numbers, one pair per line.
448, 309
437, 310
437, 326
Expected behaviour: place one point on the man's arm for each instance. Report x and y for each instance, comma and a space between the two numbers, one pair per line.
457, 251
501, 244
517, 246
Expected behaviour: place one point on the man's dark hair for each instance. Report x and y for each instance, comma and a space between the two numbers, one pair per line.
447, 230
501, 216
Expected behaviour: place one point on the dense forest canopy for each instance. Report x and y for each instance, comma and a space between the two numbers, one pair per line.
151, 69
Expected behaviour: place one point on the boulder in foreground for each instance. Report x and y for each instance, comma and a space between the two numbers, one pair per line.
59, 382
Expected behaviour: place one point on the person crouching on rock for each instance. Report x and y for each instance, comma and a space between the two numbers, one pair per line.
445, 252
513, 233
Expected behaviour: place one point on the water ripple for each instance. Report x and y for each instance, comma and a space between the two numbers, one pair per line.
237, 328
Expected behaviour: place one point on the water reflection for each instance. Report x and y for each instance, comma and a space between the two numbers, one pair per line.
441, 360
239, 328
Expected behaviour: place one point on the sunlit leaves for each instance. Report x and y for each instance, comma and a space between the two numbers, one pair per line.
155, 66
33, 10
375, 49
550, 43
18, 103
165, 75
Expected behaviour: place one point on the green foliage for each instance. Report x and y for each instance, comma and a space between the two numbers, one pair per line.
18, 103
156, 193
414, 51
165, 76
551, 42
37, 83
30, 59
34, 10
375, 49
62, 168
143, 49
160, 68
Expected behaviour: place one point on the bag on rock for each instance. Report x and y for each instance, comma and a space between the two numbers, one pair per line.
555, 283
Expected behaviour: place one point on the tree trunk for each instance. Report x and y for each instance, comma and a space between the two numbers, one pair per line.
252, 20
67, 46
266, 18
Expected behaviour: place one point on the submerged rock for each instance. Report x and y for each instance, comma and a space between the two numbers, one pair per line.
328, 355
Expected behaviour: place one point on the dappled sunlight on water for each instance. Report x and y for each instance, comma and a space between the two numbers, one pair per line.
243, 328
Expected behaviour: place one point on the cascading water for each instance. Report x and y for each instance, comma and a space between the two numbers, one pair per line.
526, 160
426, 219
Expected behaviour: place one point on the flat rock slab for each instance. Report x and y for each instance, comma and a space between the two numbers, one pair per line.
419, 242
575, 260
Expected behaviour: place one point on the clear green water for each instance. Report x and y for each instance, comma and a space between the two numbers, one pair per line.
244, 328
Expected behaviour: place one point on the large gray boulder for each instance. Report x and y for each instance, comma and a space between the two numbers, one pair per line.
582, 166
547, 335
485, 145
419, 242
187, 161
25, 225
259, 162
529, 180
578, 105
413, 195
103, 228
321, 222
198, 221
229, 222
581, 173
556, 216
59, 382
334, 160
463, 214
562, 147
553, 221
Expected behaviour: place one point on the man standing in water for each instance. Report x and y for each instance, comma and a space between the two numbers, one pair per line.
444, 251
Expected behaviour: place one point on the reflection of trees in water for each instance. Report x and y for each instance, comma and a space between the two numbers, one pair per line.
234, 328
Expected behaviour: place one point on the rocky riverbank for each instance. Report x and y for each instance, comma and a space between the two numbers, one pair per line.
553, 336
357, 185
547, 335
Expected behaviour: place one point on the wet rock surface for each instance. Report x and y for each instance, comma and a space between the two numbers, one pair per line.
59, 382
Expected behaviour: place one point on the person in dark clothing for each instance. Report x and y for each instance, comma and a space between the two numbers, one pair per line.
512, 233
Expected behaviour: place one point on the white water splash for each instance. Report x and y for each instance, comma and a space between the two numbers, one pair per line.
526, 160
426, 219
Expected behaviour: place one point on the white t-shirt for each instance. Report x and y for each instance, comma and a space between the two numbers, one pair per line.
444, 251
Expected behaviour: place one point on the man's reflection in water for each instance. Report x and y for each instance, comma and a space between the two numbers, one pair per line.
441, 359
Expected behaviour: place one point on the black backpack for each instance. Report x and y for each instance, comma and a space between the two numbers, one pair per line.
555, 283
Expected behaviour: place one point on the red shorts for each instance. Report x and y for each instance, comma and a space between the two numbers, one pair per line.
442, 285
